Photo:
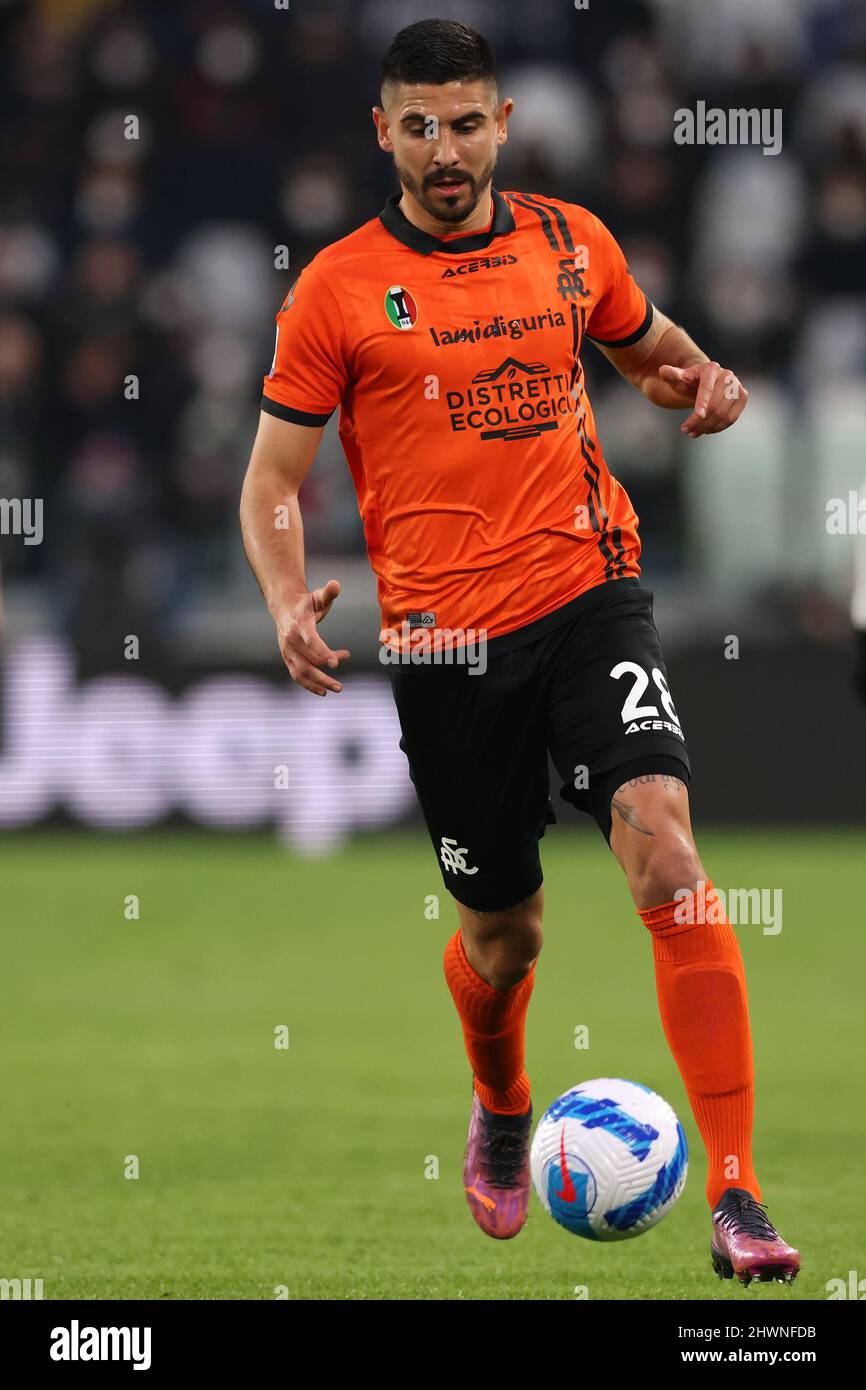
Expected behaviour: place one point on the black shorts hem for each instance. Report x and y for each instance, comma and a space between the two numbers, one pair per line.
495, 894
596, 800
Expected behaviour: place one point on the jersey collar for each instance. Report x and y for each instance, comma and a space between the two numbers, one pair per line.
394, 221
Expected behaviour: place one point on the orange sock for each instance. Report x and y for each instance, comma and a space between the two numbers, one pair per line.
493, 1022
701, 988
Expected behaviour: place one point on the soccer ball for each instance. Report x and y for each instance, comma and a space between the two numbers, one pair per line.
609, 1159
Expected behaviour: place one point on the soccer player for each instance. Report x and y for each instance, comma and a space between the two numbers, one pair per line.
449, 330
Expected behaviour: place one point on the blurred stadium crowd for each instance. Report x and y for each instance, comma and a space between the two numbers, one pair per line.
153, 257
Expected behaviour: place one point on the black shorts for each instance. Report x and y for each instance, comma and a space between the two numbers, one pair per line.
586, 684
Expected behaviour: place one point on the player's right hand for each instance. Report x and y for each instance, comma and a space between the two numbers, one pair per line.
302, 648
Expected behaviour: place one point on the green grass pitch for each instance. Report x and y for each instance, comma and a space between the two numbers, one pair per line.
304, 1169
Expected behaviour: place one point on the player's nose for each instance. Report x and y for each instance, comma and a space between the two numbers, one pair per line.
444, 151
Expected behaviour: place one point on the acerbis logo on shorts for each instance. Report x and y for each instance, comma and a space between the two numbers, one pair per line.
647, 718
655, 726
482, 263
401, 308
453, 858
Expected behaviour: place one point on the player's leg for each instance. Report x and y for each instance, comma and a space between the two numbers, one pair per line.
651, 837
478, 761
701, 987
503, 946
490, 970
477, 757
700, 978
612, 713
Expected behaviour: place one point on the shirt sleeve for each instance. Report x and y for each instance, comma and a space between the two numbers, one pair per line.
623, 313
308, 376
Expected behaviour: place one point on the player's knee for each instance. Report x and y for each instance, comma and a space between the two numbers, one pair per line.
505, 944
510, 960
669, 866
526, 944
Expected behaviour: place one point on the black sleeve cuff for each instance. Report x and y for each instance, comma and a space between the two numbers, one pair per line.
294, 417
634, 337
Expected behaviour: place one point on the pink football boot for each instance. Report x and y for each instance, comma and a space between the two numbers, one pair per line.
747, 1244
496, 1175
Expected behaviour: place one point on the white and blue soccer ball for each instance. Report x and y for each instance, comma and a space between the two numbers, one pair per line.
609, 1159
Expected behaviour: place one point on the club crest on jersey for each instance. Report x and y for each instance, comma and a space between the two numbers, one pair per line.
400, 307
569, 281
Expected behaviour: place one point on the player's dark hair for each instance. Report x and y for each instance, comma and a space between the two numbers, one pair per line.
437, 51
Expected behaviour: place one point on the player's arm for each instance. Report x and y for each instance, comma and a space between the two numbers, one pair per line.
306, 383
654, 354
273, 536
669, 368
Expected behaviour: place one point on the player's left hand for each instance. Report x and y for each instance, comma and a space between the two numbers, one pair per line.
719, 396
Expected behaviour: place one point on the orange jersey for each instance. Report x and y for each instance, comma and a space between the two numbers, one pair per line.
481, 482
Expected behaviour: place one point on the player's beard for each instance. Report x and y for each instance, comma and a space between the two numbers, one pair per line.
463, 206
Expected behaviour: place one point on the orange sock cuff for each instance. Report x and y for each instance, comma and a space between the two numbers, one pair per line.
486, 1009
672, 925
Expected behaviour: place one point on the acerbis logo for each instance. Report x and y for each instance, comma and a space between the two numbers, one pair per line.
654, 726
400, 307
482, 263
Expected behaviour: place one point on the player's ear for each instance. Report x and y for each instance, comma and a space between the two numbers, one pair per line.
503, 111
383, 129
